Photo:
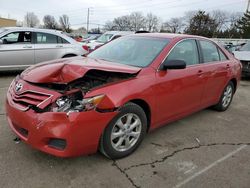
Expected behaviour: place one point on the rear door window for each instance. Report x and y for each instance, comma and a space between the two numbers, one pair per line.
209, 51
46, 38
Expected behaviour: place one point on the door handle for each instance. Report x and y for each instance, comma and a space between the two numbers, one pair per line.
59, 46
27, 47
228, 66
200, 72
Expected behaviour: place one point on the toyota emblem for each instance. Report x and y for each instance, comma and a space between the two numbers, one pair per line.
19, 87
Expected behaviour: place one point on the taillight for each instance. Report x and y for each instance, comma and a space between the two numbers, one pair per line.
85, 47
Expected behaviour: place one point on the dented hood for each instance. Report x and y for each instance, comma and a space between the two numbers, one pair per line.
67, 70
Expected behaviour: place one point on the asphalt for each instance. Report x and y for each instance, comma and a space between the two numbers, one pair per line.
207, 149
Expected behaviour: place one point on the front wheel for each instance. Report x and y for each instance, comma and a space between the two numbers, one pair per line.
125, 132
226, 97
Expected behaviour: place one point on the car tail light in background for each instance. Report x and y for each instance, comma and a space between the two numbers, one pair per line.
85, 47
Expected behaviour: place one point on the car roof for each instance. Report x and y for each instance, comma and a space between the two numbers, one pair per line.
168, 35
32, 29
119, 32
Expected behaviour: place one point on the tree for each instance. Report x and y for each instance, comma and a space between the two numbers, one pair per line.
31, 20
109, 26
244, 25
152, 22
221, 19
50, 22
202, 24
64, 23
137, 21
122, 23
174, 25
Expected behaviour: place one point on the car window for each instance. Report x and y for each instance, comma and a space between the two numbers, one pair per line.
135, 51
46, 38
104, 38
209, 51
246, 47
17, 38
61, 40
222, 56
187, 51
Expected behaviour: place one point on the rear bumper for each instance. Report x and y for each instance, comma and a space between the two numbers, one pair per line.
81, 130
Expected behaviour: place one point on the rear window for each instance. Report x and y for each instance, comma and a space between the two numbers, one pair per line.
46, 38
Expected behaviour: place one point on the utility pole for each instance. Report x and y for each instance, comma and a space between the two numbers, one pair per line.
88, 21
248, 5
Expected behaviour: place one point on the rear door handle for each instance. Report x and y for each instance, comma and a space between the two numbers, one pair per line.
200, 72
27, 47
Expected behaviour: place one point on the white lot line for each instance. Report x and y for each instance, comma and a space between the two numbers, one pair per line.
210, 166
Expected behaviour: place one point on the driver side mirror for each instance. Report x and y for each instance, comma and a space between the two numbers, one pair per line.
1, 41
173, 64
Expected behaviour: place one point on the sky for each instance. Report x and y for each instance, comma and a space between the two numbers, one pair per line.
102, 11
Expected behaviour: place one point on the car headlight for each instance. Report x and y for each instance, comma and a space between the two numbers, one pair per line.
72, 104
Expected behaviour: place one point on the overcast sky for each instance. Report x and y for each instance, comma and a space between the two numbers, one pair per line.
103, 10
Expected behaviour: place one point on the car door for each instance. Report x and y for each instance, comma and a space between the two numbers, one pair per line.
216, 66
180, 91
47, 47
17, 50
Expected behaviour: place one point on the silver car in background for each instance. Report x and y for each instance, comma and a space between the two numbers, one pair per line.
22, 47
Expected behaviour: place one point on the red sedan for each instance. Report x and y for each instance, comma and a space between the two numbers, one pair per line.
110, 99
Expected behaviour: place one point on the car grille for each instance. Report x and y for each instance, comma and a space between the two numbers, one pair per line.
30, 98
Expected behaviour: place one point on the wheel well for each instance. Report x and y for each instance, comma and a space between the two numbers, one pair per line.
69, 55
235, 83
144, 105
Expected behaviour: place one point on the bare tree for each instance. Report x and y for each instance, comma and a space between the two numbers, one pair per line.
221, 18
64, 23
109, 26
152, 22
137, 21
50, 22
31, 20
174, 25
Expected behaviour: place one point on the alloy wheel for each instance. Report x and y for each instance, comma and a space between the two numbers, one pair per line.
126, 132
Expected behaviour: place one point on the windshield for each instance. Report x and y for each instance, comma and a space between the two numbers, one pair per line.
104, 38
246, 47
136, 51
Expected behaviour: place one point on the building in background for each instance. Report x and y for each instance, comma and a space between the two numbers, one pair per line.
4, 22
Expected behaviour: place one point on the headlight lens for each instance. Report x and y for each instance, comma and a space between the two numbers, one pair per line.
71, 104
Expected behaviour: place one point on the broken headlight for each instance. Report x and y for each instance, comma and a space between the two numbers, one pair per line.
72, 104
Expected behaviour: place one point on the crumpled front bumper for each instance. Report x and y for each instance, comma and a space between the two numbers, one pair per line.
80, 130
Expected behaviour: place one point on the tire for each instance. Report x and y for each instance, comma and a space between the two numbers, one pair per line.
226, 98
124, 133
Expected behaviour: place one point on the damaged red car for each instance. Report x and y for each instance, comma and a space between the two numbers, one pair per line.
110, 99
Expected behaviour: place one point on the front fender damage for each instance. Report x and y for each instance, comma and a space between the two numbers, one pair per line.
72, 94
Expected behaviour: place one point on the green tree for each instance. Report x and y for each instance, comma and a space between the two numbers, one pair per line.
202, 24
244, 25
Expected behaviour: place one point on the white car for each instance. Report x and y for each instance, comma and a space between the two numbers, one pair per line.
243, 55
106, 37
22, 47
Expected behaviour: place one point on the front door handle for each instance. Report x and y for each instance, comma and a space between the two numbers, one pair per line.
59, 46
27, 47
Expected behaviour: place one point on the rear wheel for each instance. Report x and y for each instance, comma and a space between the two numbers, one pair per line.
226, 97
125, 132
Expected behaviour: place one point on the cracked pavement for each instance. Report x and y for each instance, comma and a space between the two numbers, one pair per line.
206, 149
